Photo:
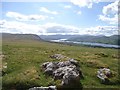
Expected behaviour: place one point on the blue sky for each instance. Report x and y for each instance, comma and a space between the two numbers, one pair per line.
73, 17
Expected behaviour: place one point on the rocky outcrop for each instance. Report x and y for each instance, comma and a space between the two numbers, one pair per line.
104, 74
68, 71
59, 56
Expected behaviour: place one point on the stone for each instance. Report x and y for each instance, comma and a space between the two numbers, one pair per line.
104, 74
74, 62
67, 71
49, 67
59, 56
44, 88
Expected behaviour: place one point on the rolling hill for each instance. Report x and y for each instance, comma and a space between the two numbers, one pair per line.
97, 39
14, 37
24, 54
85, 38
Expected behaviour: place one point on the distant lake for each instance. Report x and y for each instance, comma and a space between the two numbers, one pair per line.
88, 43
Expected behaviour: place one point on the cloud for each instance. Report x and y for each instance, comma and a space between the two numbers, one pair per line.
103, 30
113, 20
79, 12
18, 27
83, 3
68, 6
45, 10
110, 13
21, 17
59, 28
54, 28
88, 3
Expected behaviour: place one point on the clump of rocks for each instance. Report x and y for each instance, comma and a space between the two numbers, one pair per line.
67, 71
104, 74
44, 88
59, 56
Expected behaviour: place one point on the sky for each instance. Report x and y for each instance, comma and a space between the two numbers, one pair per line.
74, 17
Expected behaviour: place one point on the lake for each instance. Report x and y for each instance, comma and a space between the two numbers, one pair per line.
88, 43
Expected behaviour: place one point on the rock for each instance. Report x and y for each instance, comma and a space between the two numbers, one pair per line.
49, 67
68, 71
74, 62
104, 74
70, 77
44, 88
63, 64
59, 56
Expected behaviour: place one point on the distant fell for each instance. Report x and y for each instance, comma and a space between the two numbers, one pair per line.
114, 39
19, 37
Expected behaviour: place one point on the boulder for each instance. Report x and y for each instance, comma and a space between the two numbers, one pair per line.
59, 56
49, 67
44, 88
68, 71
104, 74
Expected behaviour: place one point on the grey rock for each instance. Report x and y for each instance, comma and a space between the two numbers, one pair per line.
44, 88
104, 74
49, 67
74, 62
67, 71
59, 56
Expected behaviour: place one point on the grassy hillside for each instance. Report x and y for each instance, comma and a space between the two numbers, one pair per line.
20, 37
97, 39
23, 59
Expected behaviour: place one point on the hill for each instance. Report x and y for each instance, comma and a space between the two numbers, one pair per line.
56, 37
20, 37
22, 60
97, 39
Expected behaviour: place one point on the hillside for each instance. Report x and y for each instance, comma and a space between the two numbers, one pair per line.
97, 39
23, 57
15, 37
56, 37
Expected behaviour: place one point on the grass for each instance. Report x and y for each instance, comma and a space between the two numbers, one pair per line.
24, 58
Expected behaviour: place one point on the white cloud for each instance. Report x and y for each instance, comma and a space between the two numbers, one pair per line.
18, 27
82, 3
113, 20
68, 6
43, 9
54, 28
79, 12
102, 30
110, 13
21, 17
88, 3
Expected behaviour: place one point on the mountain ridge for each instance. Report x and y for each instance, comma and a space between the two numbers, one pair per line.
114, 39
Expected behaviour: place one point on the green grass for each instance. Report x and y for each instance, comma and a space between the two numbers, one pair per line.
24, 58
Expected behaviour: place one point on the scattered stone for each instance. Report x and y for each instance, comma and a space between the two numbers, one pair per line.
104, 74
67, 71
44, 88
59, 56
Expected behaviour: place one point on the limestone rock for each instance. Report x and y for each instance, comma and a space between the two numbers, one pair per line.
68, 71
104, 74
44, 88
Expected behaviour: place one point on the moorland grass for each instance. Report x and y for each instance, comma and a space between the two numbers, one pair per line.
25, 57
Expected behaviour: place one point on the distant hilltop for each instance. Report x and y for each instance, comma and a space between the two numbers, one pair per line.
114, 39
14, 37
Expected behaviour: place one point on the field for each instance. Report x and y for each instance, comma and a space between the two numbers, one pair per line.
23, 59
